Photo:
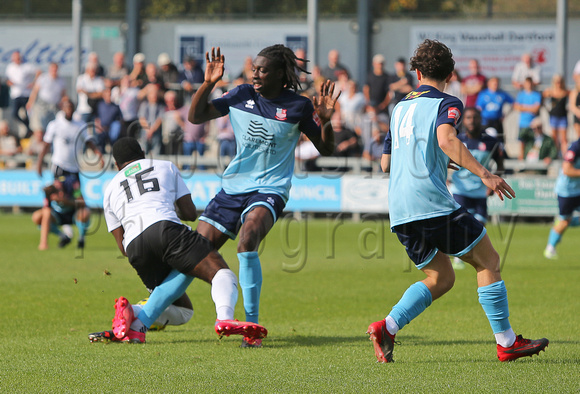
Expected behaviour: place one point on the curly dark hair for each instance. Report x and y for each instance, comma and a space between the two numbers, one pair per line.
284, 58
434, 59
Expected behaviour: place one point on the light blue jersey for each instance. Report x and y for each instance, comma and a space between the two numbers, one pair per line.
417, 187
569, 186
266, 133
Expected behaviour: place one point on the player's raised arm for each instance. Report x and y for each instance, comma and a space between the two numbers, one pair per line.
324, 107
201, 110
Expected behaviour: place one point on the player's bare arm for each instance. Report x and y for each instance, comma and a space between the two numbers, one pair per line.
324, 107
118, 233
568, 169
186, 208
386, 162
201, 110
454, 148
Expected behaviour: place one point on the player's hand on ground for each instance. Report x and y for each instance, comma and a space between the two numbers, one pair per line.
499, 186
325, 102
214, 69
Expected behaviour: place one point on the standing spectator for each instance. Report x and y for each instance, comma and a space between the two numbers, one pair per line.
93, 57
168, 72
537, 145
453, 87
194, 136
525, 69
574, 104
401, 82
247, 73
225, 137
376, 89
117, 70
528, 102
334, 67
576, 73
90, 90
152, 78
172, 125
557, 95
126, 97
150, 119
491, 103
568, 191
191, 75
473, 83
138, 71
108, 121
47, 93
352, 105
20, 77
304, 77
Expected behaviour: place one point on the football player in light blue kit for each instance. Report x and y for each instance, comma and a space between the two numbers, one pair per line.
426, 218
267, 118
568, 191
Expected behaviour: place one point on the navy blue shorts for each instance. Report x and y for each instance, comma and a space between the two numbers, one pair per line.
63, 218
568, 205
475, 206
227, 212
454, 234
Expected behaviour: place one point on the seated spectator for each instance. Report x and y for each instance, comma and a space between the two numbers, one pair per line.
346, 140
150, 119
172, 125
168, 72
153, 78
107, 121
539, 146
352, 105
191, 75
8, 145
138, 71
117, 70
247, 73
528, 102
194, 135
226, 137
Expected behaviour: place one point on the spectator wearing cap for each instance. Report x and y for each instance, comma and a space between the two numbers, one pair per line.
191, 75
168, 72
539, 146
138, 71
376, 89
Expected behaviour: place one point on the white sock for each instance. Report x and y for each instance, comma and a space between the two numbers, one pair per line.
392, 326
505, 338
224, 292
138, 326
174, 316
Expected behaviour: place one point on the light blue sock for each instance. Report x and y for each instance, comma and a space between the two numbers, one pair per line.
493, 299
251, 283
164, 295
554, 238
83, 227
414, 301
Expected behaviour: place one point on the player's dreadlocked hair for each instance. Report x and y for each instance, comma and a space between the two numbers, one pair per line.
284, 58
434, 59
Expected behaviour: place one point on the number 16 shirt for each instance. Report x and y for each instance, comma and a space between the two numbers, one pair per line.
141, 194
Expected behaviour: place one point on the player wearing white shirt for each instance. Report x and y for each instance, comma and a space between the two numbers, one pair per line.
140, 206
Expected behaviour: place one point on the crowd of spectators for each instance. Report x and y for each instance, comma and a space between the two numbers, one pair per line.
150, 100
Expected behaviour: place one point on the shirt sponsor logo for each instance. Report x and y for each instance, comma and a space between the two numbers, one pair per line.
281, 114
133, 169
250, 104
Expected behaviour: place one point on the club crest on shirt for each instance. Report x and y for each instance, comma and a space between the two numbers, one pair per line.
281, 114
453, 113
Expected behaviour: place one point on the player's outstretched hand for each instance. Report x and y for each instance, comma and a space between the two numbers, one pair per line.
324, 104
214, 69
499, 186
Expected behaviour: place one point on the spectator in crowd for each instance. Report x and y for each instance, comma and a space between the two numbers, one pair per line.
376, 89
168, 71
576, 73
401, 82
117, 70
153, 79
574, 105
4, 97
225, 137
526, 69
172, 125
453, 87
90, 89
126, 97
304, 77
93, 57
352, 105
8, 144
20, 78
194, 134
557, 97
138, 71
568, 191
150, 119
306, 155
491, 102
334, 68
373, 147
108, 121
528, 102
537, 145
191, 75
47, 93
247, 73
473, 83
346, 140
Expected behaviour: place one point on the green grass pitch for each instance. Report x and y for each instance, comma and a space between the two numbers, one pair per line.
325, 281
